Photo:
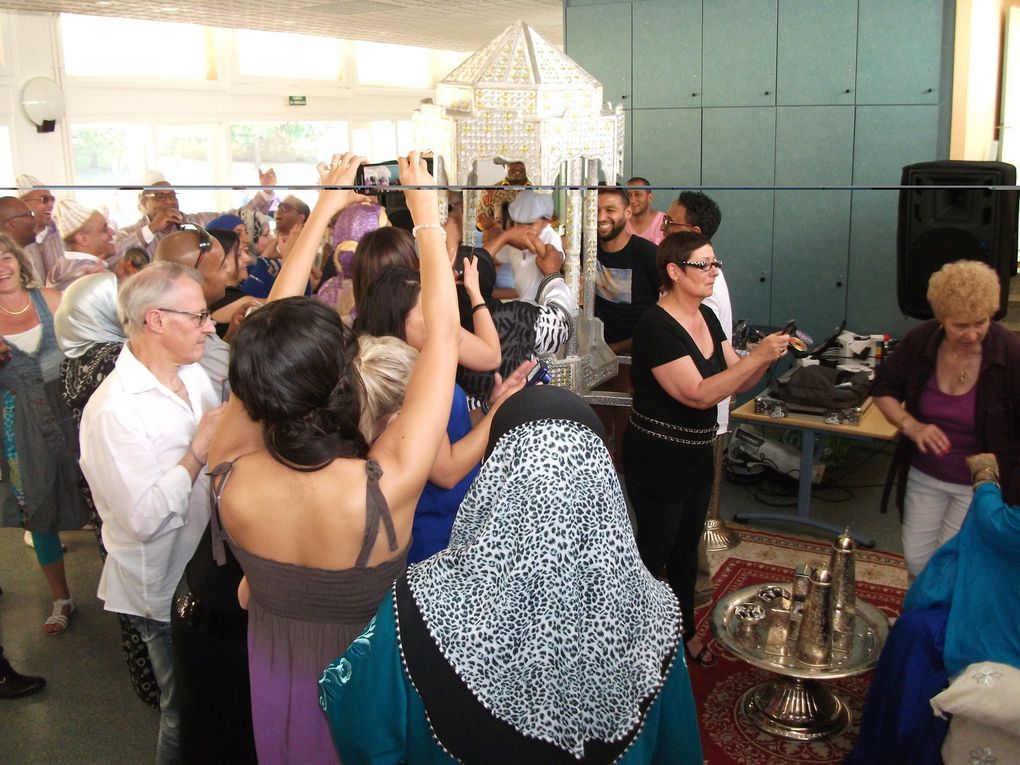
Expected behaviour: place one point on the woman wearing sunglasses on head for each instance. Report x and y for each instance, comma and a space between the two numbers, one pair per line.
682, 366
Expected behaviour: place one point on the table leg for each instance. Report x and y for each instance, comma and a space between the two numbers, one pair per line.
803, 517
807, 462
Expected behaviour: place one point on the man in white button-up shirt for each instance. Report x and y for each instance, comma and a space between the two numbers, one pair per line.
144, 438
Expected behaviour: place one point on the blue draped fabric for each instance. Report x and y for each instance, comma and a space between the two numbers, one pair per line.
976, 574
962, 609
437, 507
898, 726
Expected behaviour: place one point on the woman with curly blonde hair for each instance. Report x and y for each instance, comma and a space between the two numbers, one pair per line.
950, 389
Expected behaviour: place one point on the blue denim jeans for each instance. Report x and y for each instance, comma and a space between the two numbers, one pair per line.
156, 636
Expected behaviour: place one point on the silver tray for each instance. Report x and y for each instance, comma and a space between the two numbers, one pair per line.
870, 630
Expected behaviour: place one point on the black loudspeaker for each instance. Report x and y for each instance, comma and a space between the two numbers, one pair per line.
939, 222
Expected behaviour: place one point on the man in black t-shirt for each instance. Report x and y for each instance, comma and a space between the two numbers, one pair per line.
626, 285
626, 280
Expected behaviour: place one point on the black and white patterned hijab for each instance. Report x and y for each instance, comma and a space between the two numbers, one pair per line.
541, 604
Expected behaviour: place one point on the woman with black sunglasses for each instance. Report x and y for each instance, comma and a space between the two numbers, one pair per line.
682, 366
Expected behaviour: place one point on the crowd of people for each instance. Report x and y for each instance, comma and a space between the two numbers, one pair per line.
338, 523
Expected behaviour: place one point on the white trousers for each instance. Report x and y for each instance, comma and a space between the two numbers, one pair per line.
933, 512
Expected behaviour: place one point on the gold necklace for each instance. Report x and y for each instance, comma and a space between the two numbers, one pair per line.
9, 312
962, 374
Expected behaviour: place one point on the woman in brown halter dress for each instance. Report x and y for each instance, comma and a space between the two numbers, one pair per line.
320, 521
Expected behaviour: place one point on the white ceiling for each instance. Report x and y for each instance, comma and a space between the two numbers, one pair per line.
463, 25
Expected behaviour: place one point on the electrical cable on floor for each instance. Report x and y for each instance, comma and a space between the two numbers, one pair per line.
770, 487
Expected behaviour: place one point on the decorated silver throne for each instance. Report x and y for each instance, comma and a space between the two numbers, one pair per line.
520, 99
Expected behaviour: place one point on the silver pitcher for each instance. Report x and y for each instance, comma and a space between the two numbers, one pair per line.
844, 583
814, 640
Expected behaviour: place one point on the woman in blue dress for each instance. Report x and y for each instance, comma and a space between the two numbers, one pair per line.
392, 307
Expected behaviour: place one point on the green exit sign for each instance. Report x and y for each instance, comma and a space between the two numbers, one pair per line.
297, 100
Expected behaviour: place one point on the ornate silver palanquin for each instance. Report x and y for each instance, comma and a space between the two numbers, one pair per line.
520, 99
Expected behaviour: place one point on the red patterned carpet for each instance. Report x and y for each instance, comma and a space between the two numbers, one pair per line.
764, 557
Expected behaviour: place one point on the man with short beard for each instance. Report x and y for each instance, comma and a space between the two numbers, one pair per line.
626, 285
626, 280
47, 247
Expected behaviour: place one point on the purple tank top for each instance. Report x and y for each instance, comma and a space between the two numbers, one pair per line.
955, 415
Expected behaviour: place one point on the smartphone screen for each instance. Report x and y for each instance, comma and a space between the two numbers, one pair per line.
379, 176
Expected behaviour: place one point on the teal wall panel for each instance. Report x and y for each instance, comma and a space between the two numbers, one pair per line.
814, 145
739, 53
738, 146
598, 38
817, 52
809, 259
667, 51
899, 51
744, 244
774, 111
667, 148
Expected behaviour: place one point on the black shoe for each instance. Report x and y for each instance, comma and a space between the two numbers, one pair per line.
14, 685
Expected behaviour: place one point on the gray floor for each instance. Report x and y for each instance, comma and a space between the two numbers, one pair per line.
89, 713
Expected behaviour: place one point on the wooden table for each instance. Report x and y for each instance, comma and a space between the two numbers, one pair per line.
872, 426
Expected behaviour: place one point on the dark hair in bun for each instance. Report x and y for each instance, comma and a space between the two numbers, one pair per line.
294, 365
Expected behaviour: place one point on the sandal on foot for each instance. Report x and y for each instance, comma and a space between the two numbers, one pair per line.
704, 657
57, 622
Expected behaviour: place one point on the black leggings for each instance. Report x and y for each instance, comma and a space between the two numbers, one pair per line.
670, 519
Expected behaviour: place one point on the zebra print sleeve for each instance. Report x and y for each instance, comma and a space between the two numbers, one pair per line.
554, 323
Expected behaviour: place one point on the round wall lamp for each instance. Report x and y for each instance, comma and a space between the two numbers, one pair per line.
43, 102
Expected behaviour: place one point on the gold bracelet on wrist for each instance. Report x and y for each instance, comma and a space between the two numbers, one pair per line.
994, 476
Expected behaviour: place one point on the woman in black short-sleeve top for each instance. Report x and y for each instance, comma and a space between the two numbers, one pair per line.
682, 366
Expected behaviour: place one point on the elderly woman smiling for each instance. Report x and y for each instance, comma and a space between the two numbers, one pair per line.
950, 389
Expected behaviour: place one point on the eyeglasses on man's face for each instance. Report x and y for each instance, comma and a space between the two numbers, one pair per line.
43, 199
162, 196
702, 265
26, 214
286, 207
668, 223
200, 316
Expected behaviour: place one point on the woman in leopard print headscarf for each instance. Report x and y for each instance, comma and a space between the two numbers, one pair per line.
538, 635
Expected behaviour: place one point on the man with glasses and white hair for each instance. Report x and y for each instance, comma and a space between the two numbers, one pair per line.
193, 246
162, 216
144, 439
47, 247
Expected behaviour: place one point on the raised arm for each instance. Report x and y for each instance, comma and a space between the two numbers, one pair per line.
408, 447
479, 350
297, 266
